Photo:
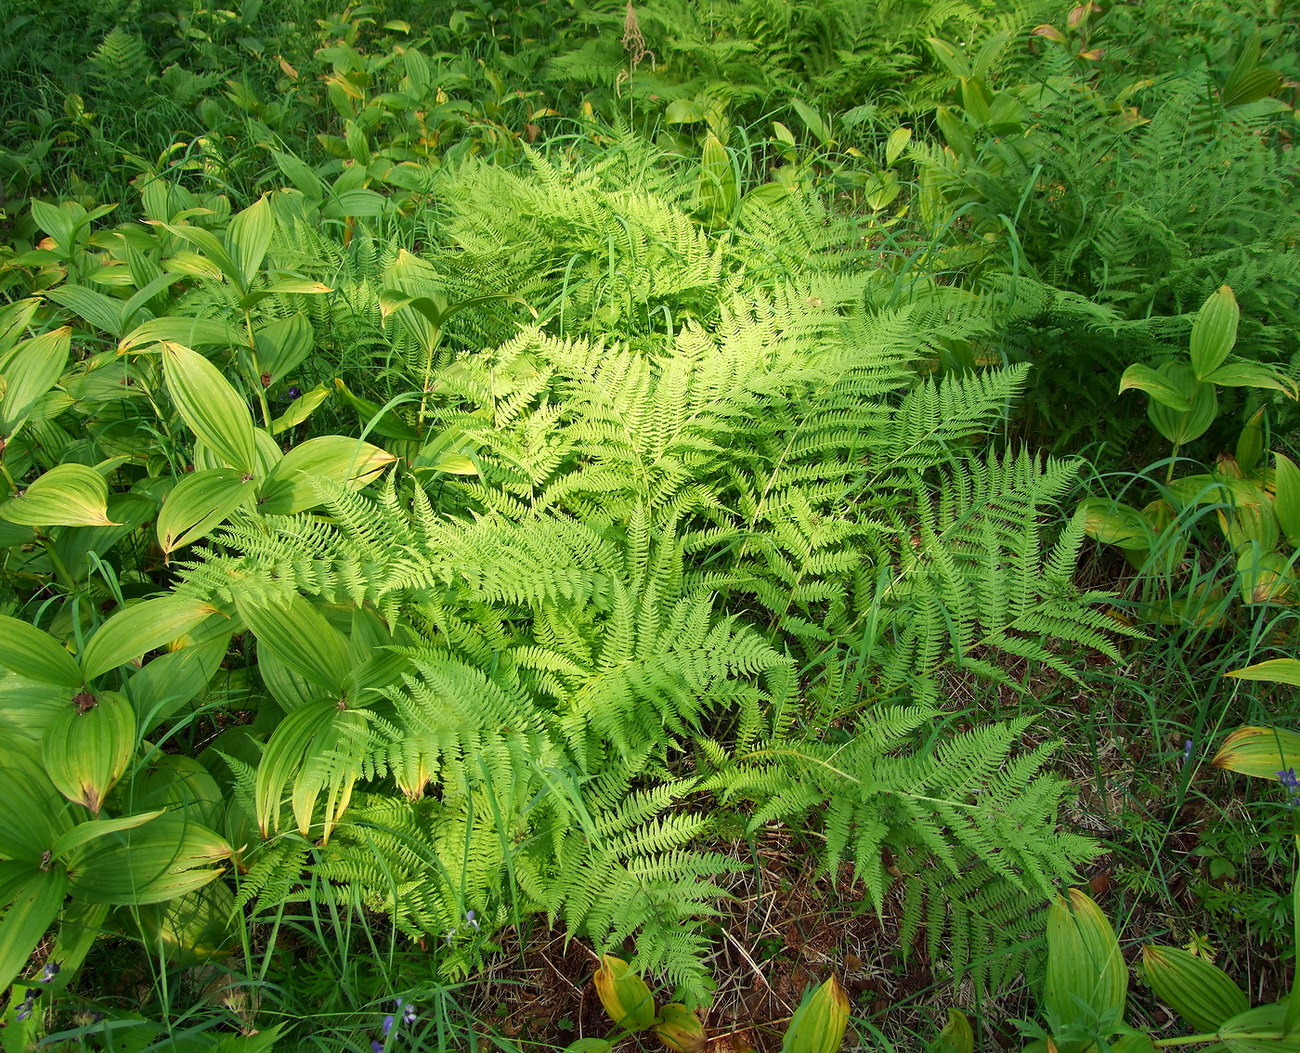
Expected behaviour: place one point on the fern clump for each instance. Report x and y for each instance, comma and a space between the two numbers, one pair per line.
730, 569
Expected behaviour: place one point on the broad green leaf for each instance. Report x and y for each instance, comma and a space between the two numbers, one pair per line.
1214, 332
1251, 375
319, 748
163, 859
1250, 443
1202, 994
950, 56
298, 634
1087, 980
956, 1036
1263, 752
1113, 523
84, 833
192, 332
192, 927
102, 312
300, 409
36, 655
33, 814
358, 202
212, 408
33, 907
1182, 427
207, 243
1286, 501
896, 144
818, 1025
200, 502
718, 188
1260, 1030
168, 682
301, 175
342, 460
141, 627
249, 239
87, 746
282, 344
67, 495
29, 372
1156, 385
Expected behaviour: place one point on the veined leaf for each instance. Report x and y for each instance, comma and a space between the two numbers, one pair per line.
1087, 980
200, 502
1286, 502
1214, 332
33, 906
192, 332
33, 814
1202, 994
298, 634
349, 462
30, 652
320, 748
249, 238
1263, 752
1160, 387
1251, 375
212, 408
84, 833
87, 746
163, 859
29, 372
141, 627
819, 1023
67, 495
282, 344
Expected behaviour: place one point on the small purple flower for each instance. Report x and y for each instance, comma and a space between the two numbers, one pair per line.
469, 917
50, 972
388, 1025
376, 1047
1287, 777
1188, 746
408, 1014
294, 392
29, 1003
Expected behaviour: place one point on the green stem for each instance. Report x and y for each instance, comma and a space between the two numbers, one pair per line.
1187, 1040
1173, 460
60, 568
257, 372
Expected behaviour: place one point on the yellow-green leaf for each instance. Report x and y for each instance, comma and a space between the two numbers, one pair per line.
200, 502
141, 627
625, 996
336, 458
36, 655
1263, 752
34, 904
1087, 980
67, 495
249, 237
29, 372
212, 408
87, 746
819, 1023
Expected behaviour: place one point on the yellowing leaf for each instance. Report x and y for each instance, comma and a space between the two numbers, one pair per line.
67, 495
